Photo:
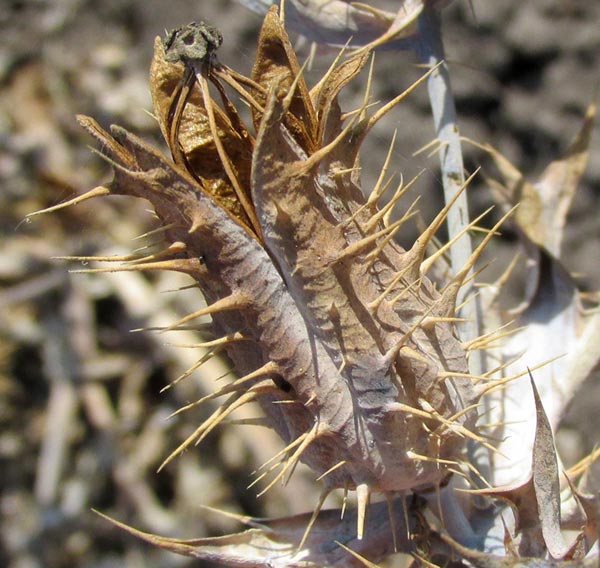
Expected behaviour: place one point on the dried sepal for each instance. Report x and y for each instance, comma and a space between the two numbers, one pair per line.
180, 108
276, 61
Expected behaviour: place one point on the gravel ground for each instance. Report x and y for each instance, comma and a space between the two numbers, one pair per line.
82, 423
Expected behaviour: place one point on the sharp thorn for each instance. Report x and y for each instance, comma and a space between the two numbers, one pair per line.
428, 262
324, 494
387, 107
377, 301
379, 188
451, 291
96, 192
234, 301
344, 502
185, 265
158, 230
363, 496
332, 469
435, 143
415, 255
305, 439
236, 386
357, 246
208, 425
364, 561
315, 92
209, 355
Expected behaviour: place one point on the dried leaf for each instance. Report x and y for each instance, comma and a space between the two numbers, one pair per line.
544, 204
336, 22
551, 319
537, 499
333, 22
274, 543
308, 247
324, 97
554, 325
584, 516
485, 560
545, 481
557, 185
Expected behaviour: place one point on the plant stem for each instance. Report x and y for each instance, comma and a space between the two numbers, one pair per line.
430, 50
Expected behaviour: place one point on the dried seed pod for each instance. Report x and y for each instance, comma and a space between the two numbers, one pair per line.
317, 305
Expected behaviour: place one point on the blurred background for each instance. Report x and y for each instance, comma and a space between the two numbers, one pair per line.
83, 424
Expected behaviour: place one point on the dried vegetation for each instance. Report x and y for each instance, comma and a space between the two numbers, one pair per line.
349, 344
